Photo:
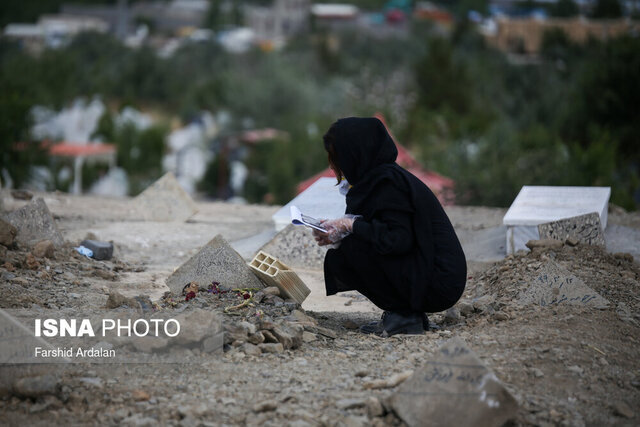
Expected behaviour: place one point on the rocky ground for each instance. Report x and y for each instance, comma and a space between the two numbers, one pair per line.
282, 365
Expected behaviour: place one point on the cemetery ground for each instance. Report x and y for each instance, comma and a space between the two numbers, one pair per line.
565, 364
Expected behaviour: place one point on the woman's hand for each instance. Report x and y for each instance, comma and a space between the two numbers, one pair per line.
338, 229
322, 238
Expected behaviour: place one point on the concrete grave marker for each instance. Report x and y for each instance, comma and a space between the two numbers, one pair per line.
585, 229
164, 200
555, 285
454, 389
537, 205
215, 261
34, 223
322, 200
296, 247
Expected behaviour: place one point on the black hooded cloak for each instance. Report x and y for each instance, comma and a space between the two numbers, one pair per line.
403, 253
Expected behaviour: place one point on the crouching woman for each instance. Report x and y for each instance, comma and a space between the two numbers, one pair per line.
396, 244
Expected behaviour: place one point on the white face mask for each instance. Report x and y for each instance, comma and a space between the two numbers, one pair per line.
344, 187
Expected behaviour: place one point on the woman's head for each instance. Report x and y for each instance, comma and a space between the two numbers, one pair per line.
357, 145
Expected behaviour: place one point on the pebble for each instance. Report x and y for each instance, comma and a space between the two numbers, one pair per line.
271, 348
267, 405
576, 369
140, 395
350, 403
501, 316
622, 409
37, 386
251, 349
309, 337
374, 407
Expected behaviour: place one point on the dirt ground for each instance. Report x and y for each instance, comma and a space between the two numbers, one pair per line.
564, 364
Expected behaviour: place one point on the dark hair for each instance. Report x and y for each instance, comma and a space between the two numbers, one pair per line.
329, 139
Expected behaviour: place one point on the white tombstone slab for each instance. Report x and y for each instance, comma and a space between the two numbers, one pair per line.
321, 200
536, 205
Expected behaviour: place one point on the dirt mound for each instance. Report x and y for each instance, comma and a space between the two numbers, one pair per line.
614, 276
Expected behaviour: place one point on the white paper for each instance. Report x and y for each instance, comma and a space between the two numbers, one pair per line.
298, 218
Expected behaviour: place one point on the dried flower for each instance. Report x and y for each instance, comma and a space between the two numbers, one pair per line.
190, 295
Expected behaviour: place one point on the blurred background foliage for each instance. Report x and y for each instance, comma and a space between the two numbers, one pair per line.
465, 109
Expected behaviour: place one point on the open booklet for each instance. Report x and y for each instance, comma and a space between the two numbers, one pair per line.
298, 218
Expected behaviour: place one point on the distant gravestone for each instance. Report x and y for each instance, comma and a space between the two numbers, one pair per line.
554, 285
164, 200
18, 343
537, 205
215, 261
296, 247
454, 389
584, 229
321, 200
34, 223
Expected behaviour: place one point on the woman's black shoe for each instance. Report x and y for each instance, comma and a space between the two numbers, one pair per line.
393, 323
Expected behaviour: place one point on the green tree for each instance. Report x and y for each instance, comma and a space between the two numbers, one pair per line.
607, 9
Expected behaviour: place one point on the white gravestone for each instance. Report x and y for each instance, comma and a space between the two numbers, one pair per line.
321, 200
537, 205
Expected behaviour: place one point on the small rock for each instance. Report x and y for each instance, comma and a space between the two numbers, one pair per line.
140, 395
484, 303
92, 381
309, 337
501, 316
350, 403
43, 249
452, 315
7, 233
302, 318
575, 369
350, 324
271, 348
267, 405
622, 409
537, 373
289, 335
544, 243
390, 382
32, 262
271, 290
257, 338
249, 327
465, 308
269, 337
572, 241
374, 407
251, 350
234, 332
34, 387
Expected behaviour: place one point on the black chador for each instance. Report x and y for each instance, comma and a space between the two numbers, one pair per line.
403, 253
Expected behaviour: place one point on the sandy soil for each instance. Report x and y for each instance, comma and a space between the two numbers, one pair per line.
565, 365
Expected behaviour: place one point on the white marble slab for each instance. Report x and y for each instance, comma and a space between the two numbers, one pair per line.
321, 200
